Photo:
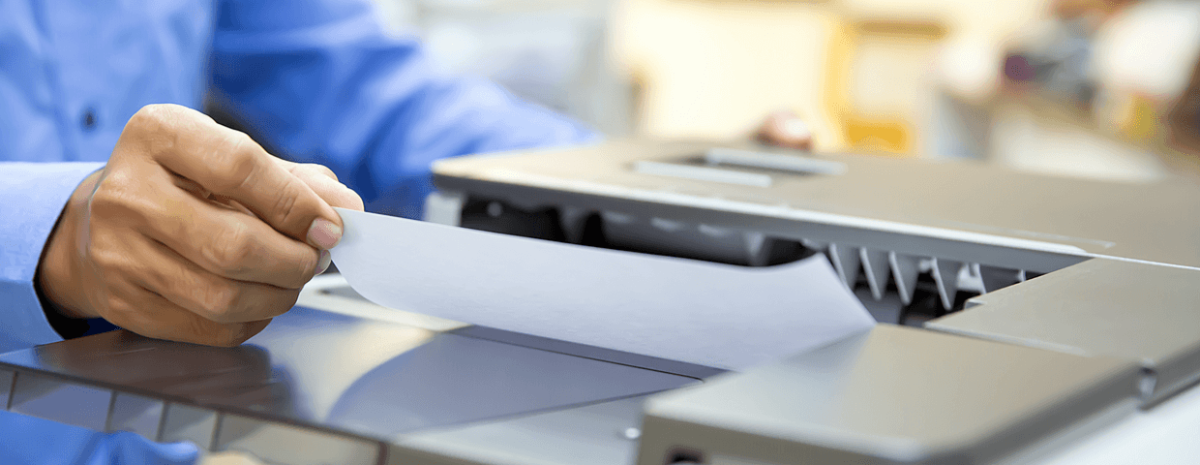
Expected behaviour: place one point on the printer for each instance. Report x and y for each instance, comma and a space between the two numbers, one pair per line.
1022, 319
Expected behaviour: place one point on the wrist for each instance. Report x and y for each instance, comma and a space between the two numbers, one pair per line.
59, 277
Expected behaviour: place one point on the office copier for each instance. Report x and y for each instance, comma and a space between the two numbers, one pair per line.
1022, 319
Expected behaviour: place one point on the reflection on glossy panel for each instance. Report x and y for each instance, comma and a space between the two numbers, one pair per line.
136, 414
337, 373
293, 445
6, 382
61, 401
187, 423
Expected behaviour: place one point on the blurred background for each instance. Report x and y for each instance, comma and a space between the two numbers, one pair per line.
1092, 88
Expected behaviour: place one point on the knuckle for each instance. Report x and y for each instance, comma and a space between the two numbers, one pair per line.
230, 250
308, 271
104, 259
321, 169
154, 118
220, 302
287, 206
150, 114
115, 305
117, 197
108, 195
125, 314
155, 130
230, 335
236, 143
234, 163
207, 332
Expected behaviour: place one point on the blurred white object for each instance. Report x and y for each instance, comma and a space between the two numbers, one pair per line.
969, 66
1026, 140
1149, 48
552, 52
229, 458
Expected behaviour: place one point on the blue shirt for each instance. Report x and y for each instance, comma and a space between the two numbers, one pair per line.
313, 80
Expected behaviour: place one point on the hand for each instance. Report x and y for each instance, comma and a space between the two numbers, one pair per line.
785, 129
192, 232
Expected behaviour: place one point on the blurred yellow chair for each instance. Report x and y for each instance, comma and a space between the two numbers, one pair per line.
880, 84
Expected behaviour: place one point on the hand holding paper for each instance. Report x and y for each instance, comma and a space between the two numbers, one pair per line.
711, 314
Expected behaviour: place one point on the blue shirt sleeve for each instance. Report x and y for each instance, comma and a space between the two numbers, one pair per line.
321, 82
32, 196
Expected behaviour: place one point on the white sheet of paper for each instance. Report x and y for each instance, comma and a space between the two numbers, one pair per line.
710, 314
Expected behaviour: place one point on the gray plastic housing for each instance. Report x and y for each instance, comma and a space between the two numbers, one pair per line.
892, 395
1147, 314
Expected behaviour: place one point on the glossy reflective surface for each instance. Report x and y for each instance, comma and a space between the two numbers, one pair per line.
347, 374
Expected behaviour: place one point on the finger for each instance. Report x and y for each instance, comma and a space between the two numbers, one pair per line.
201, 193
229, 164
785, 129
325, 183
222, 241
215, 298
144, 312
314, 167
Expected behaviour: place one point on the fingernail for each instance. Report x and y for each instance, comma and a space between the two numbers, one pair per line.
795, 128
324, 261
324, 234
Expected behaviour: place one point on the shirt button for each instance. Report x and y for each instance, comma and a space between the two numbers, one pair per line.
89, 119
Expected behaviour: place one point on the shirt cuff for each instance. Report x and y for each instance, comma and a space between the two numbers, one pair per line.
32, 197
